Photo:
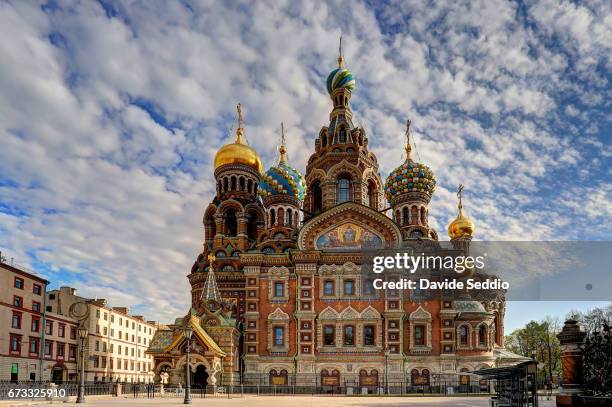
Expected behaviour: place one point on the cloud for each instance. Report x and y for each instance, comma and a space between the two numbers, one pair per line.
111, 115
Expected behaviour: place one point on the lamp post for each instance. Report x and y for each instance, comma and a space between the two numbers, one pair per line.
188, 332
387, 352
82, 336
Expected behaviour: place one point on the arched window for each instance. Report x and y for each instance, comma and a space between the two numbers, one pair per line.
317, 197
289, 217
272, 217
398, 219
231, 223
371, 200
233, 182
423, 222
482, 335
252, 226
414, 215
463, 335
219, 187
250, 186
342, 135
406, 218
242, 183
344, 190
324, 140
225, 184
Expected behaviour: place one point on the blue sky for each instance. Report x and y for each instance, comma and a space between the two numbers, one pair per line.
110, 115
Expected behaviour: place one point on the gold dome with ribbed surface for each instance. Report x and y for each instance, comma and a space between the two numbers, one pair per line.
238, 152
462, 226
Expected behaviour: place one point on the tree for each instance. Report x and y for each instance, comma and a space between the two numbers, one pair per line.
538, 340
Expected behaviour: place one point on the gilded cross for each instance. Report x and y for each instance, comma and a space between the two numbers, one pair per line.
211, 259
239, 109
459, 194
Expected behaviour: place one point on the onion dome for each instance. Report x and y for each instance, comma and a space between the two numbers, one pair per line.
340, 77
238, 152
282, 179
410, 176
462, 226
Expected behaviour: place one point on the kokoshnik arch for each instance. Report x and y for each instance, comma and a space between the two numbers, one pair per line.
277, 295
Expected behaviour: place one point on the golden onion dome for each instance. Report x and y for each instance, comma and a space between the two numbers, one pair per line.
238, 152
462, 226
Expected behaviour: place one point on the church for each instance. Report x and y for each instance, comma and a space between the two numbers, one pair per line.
278, 294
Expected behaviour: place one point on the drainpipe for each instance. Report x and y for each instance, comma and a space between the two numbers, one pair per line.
295, 310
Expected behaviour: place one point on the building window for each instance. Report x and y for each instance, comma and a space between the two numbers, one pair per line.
317, 197
344, 190
60, 350
349, 335
35, 306
48, 349
15, 343
368, 335
368, 287
97, 345
349, 287
72, 332
463, 335
37, 289
482, 335
16, 322
279, 289
279, 336
342, 135
34, 346
329, 335
328, 287
17, 301
419, 335
72, 352
19, 283
35, 324
49, 328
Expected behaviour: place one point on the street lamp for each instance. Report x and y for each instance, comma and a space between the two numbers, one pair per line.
188, 332
82, 336
387, 352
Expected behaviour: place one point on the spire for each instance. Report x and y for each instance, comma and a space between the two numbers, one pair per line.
282, 149
408, 147
340, 59
239, 129
211, 290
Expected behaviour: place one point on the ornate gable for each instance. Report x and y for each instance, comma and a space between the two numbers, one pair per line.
349, 227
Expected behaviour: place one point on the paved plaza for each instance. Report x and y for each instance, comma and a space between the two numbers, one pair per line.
296, 401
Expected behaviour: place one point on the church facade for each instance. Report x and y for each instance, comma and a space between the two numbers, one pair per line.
279, 294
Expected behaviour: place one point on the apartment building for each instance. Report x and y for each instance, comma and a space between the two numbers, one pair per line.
34, 344
117, 341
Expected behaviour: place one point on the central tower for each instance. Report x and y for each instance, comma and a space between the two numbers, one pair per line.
341, 169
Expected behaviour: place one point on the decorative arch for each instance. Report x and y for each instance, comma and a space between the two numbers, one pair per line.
349, 313
344, 167
356, 214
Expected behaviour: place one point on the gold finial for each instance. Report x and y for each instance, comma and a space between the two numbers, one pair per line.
239, 130
408, 147
282, 149
340, 59
211, 260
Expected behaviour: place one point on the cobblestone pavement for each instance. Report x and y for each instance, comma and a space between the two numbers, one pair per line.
295, 401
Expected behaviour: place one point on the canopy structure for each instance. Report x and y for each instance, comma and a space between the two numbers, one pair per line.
516, 386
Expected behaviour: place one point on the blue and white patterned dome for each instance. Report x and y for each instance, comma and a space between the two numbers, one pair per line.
283, 179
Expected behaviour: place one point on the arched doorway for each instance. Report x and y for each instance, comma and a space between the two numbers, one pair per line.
200, 376
279, 378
